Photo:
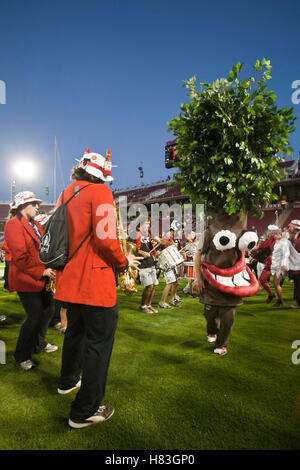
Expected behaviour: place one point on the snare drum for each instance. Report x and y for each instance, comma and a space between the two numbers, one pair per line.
186, 270
169, 258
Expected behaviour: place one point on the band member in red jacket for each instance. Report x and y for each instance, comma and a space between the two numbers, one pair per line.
27, 275
5, 248
294, 231
87, 285
268, 244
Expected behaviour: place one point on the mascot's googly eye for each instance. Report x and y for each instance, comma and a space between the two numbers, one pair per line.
224, 240
247, 241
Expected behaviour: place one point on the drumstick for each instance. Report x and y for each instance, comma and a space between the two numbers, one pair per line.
154, 247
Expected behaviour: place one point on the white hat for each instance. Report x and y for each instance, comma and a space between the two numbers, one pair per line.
42, 218
24, 197
95, 164
273, 228
296, 224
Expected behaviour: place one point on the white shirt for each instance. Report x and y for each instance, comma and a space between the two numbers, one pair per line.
280, 255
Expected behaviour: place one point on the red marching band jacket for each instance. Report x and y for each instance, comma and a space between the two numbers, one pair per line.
88, 278
25, 271
268, 243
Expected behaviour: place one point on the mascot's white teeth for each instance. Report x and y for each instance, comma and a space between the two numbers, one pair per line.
240, 279
235, 280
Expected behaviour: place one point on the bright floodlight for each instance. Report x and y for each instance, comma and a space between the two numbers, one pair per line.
25, 169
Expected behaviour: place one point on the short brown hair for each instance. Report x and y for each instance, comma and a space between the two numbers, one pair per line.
79, 174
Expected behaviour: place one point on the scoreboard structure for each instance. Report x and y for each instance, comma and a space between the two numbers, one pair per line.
170, 157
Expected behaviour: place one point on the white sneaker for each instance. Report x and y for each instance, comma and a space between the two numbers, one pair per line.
211, 338
103, 414
50, 348
27, 365
222, 351
64, 392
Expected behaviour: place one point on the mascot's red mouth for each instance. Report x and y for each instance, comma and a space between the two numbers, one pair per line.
237, 280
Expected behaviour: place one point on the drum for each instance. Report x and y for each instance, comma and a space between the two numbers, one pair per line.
169, 258
186, 270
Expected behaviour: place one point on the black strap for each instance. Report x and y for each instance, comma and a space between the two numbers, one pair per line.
91, 230
73, 195
70, 257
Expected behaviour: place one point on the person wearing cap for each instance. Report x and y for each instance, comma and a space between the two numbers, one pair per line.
294, 231
87, 285
280, 264
147, 271
27, 276
268, 245
171, 277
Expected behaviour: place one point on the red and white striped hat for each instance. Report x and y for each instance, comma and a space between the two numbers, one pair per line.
24, 197
95, 164
296, 224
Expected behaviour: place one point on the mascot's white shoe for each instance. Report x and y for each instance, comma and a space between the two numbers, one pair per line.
222, 351
211, 338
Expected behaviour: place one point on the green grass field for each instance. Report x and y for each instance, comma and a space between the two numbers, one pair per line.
168, 388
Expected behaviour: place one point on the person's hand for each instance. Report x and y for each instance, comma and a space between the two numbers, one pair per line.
134, 261
284, 268
49, 272
198, 285
144, 254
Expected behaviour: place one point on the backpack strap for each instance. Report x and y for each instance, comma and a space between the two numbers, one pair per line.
75, 194
67, 202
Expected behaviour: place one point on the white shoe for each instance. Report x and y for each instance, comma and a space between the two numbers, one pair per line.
103, 414
64, 392
222, 351
211, 338
27, 365
50, 348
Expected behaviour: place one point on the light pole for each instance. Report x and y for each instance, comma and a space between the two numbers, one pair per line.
12, 189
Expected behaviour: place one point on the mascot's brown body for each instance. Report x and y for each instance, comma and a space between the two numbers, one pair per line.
225, 277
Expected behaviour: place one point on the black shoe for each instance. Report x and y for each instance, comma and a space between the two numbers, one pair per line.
103, 414
279, 303
270, 298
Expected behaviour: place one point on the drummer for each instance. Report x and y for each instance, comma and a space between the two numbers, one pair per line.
171, 277
147, 271
188, 253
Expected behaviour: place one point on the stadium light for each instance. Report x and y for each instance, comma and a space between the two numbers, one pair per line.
22, 169
25, 169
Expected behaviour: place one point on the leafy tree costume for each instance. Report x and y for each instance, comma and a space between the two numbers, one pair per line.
229, 138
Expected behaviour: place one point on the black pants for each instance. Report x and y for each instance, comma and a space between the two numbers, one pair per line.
34, 328
6, 275
296, 278
87, 348
219, 322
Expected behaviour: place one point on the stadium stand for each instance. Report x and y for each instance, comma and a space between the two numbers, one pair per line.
163, 192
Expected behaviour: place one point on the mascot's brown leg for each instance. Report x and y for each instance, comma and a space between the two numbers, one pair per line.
212, 320
219, 322
226, 315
